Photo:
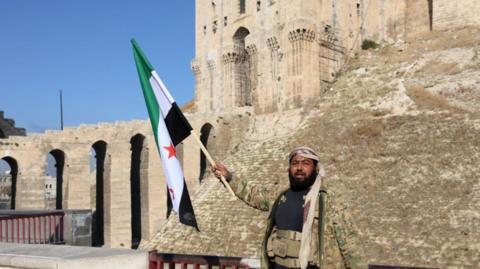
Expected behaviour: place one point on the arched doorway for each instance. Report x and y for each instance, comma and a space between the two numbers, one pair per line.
138, 169
242, 69
8, 182
204, 136
100, 165
239, 37
54, 178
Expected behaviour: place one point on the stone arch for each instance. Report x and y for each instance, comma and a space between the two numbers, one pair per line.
59, 158
239, 37
8, 186
102, 173
242, 77
139, 188
206, 132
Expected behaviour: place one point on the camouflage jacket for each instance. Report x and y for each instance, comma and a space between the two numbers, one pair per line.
340, 245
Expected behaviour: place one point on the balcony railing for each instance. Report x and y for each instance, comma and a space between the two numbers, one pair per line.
32, 227
179, 261
172, 261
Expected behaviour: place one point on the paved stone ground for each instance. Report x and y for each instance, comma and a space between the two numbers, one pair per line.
55, 256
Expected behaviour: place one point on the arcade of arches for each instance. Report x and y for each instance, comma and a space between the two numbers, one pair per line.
112, 169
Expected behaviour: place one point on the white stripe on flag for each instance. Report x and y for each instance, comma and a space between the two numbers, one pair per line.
164, 98
174, 174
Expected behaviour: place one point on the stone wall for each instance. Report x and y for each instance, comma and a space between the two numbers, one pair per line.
417, 18
78, 228
451, 14
79, 186
275, 56
30, 154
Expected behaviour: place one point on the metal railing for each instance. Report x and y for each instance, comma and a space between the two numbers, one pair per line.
172, 261
376, 266
180, 261
32, 227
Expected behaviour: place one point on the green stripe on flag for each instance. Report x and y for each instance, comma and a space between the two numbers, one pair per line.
144, 69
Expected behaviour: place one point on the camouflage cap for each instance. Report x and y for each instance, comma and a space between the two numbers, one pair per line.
303, 151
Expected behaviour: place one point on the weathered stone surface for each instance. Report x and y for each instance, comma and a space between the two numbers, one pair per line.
79, 183
273, 56
30, 154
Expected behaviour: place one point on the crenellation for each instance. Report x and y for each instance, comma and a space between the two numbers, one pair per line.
301, 34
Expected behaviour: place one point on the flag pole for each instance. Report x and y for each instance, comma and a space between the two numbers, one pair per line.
61, 111
211, 161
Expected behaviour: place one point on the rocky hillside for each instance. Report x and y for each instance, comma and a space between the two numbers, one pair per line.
399, 134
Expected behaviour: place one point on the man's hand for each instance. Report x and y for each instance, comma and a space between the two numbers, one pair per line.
220, 170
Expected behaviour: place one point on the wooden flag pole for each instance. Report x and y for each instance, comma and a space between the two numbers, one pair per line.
211, 161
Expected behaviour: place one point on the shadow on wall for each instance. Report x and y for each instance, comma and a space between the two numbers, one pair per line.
59, 159
137, 148
98, 216
204, 135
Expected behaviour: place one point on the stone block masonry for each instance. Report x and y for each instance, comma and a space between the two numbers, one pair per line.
452, 14
118, 226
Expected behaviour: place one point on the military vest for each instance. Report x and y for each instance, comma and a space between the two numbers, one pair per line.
282, 246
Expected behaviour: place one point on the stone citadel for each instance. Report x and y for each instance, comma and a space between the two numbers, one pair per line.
398, 130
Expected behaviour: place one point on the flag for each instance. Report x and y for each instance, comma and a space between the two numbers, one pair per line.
170, 127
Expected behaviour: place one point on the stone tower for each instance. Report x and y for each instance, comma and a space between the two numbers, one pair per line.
274, 55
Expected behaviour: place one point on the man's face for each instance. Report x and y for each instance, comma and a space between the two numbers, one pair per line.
301, 168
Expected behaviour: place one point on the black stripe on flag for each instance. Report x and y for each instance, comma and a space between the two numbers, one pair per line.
178, 126
186, 214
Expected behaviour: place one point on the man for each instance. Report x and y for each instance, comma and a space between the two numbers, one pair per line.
303, 230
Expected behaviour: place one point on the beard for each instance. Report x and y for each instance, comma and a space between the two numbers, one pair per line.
302, 185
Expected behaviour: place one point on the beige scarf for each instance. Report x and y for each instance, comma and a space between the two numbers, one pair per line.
308, 215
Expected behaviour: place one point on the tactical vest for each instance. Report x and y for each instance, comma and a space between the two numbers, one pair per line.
282, 246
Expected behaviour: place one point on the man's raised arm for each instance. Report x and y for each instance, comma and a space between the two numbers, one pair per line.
255, 196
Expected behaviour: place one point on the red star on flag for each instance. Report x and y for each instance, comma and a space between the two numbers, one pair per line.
171, 151
173, 192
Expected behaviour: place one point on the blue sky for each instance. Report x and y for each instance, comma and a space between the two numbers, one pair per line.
82, 47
